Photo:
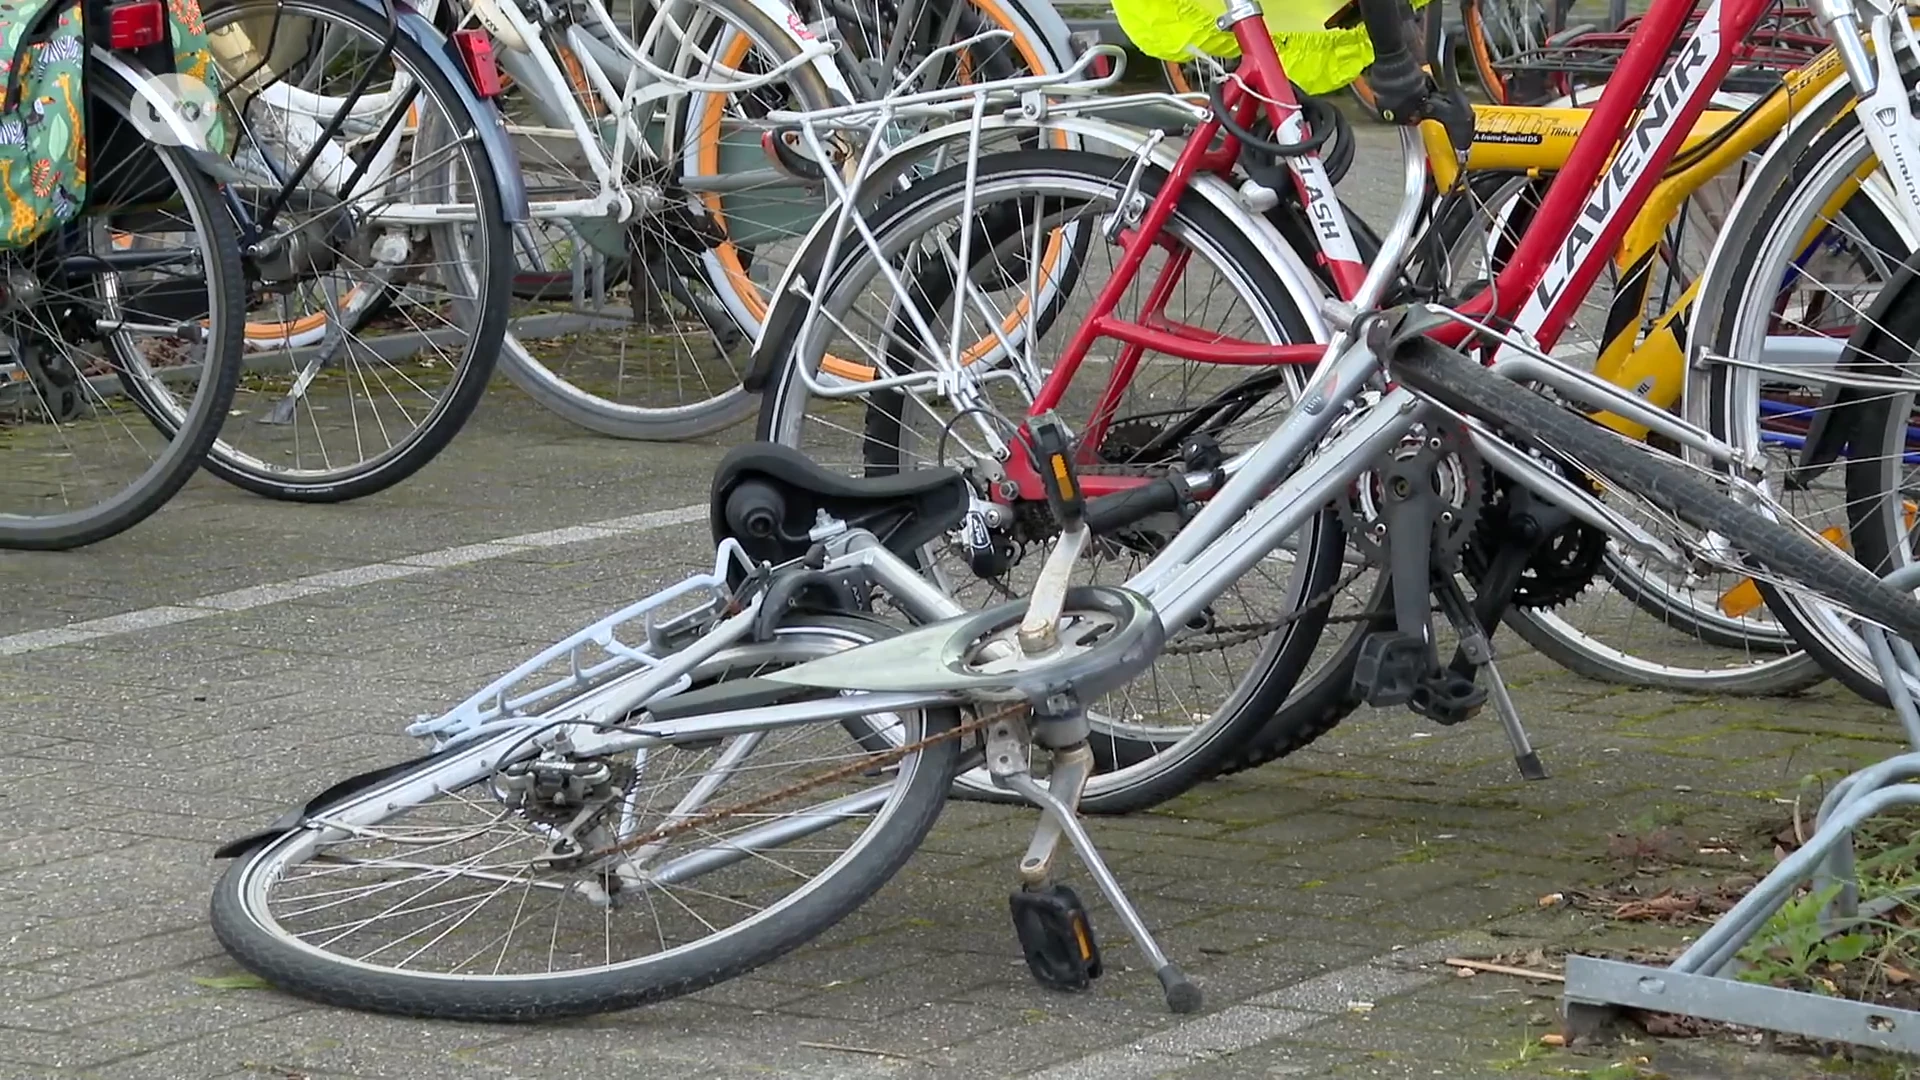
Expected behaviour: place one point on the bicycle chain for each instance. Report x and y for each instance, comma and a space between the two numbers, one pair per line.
853, 768
1241, 633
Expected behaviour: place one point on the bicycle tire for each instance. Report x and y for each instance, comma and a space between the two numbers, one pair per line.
1136, 772
1829, 137
1456, 382
221, 359
849, 882
486, 323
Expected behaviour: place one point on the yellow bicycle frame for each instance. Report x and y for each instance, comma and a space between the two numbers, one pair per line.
1538, 140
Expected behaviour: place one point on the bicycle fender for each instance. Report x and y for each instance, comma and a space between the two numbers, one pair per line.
297, 816
487, 126
803, 277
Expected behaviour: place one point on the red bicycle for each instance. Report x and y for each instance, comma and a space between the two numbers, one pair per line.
1241, 467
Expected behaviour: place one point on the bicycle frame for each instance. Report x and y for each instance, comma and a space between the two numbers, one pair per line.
1588, 211
1528, 139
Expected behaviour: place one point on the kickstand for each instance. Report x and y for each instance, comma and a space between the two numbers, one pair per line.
1523, 753
1007, 741
1475, 624
1183, 994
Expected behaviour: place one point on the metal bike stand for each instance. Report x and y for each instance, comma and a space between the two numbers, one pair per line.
1700, 982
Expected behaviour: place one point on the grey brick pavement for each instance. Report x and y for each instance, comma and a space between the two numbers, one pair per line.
1291, 893
1310, 898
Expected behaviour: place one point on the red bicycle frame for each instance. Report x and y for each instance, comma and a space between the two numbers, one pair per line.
1562, 252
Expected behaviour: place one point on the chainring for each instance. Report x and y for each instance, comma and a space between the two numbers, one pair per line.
1558, 573
1127, 439
1438, 452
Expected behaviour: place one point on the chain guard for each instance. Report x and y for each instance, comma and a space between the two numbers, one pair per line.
1559, 572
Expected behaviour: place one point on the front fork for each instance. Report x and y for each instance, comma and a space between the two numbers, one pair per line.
1884, 109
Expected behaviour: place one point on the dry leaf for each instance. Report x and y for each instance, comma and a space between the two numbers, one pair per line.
1664, 906
1551, 1039
1897, 976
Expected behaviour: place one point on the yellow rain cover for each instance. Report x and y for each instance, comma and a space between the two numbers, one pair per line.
1317, 59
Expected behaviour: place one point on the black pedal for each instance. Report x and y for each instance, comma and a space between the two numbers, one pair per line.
1391, 667
1056, 937
1448, 698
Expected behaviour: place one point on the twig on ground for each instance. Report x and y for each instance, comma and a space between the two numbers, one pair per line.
868, 1050
1503, 969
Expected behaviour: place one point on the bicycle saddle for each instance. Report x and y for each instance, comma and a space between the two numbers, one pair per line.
1107, 636
768, 497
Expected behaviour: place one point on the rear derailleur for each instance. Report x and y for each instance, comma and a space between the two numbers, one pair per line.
569, 795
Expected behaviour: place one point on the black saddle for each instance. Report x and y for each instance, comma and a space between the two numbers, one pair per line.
768, 497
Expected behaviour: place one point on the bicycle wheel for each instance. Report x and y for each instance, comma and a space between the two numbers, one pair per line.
1601, 612
142, 294
648, 342
1677, 497
1500, 36
485, 926
1814, 289
1218, 679
669, 366
370, 340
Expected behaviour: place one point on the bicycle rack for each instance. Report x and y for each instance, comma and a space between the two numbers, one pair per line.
595, 655
1700, 982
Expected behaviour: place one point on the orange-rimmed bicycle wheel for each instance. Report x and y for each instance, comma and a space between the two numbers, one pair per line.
1028, 54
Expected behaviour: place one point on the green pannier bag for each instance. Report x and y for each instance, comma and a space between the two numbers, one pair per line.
45, 115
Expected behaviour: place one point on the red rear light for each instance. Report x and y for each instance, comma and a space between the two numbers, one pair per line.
136, 25
476, 55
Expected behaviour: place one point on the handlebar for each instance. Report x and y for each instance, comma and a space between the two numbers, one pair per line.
1399, 85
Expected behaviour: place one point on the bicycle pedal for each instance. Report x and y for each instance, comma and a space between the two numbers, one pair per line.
1056, 937
1447, 699
1390, 668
